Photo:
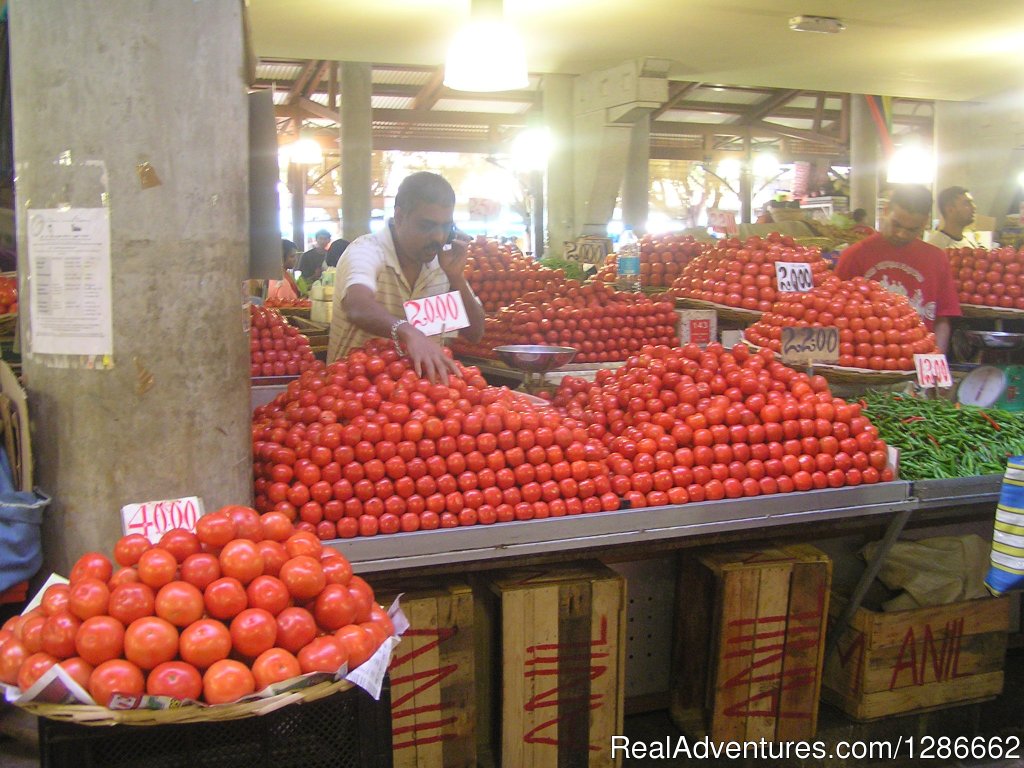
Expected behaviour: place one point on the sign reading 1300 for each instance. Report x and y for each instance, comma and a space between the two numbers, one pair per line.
810, 344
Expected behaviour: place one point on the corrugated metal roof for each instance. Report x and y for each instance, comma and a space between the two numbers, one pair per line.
278, 70
690, 116
471, 105
391, 102
726, 96
401, 76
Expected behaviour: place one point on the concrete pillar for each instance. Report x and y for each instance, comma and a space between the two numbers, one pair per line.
865, 159
98, 82
637, 183
356, 145
952, 144
297, 186
747, 183
607, 104
556, 91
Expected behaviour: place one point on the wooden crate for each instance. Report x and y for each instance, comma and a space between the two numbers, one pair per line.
913, 661
749, 646
433, 694
562, 665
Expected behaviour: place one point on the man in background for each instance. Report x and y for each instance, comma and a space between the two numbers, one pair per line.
956, 212
311, 263
902, 262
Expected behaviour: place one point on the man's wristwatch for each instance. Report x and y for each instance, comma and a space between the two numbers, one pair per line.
394, 334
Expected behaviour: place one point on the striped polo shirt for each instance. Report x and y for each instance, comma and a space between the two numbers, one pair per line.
371, 260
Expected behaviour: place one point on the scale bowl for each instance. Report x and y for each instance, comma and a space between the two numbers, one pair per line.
995, 339
535, 358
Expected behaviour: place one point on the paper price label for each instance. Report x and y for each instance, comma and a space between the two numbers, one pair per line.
155, 518
793, 277
810, 345
932, 371
437, 314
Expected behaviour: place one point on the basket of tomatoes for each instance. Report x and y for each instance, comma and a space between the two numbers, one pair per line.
8, 303
239, 618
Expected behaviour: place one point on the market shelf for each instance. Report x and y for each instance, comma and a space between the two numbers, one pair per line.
958, 491
625, 527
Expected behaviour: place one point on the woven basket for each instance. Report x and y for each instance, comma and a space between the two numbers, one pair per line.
84, 714
724, 311
839, 374
1000, 313
8, 324
295, 311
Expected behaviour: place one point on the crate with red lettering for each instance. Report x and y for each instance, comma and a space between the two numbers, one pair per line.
749, 647
433, 695
918, 660
562, 664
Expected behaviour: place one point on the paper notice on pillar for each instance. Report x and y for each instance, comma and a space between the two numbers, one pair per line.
70, 307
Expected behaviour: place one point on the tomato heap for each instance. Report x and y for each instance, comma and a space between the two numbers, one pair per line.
500, 274
742, 273
878, 329
662, 257
215, 615
365, 446
276, 348
989, 278
8, 295
603, 325
277, 303
693, 425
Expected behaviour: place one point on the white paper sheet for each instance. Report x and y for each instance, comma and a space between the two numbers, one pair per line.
69, 261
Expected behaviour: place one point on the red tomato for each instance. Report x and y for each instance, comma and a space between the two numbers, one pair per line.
200, 569
91, 564
268, 593
12, 654
180, 603
129, 549
180, 543
358, 642
79, 670
273, 666
205, 642
58, 635
304, 576
176, 679
99, 639
335, 607
88, 597
129, 602
323, 654
296, 627
157, 567
150, 641
226, 681
225, 598
241, 559
338, 570
247, 522
253, 631
216, 529
113, 677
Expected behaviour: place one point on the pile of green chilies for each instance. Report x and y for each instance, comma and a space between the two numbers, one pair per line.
940, 439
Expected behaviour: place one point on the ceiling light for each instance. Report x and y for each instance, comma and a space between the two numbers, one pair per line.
825, 24
911, 164
304, 151
486, 54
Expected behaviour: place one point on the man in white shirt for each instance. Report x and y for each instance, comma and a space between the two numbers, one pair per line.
406, 260
956, 212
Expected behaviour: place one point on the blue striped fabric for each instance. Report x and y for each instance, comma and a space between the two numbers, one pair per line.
1007, 571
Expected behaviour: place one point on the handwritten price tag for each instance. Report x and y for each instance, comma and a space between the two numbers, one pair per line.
932, 371
435, 314
155, 518
810, 345
793, 277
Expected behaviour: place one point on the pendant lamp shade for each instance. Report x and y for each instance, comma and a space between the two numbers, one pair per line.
486, 54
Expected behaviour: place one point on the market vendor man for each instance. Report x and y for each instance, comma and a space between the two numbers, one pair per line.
419, 253
901, 261
956, 211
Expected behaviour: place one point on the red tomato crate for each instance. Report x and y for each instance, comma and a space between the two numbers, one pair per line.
346, 730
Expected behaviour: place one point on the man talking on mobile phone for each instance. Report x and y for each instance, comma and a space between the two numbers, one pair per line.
419, 253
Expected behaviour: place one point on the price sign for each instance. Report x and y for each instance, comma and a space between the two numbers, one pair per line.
155, 518
436, 314
932, 371
810, 345
793, 277
724, 221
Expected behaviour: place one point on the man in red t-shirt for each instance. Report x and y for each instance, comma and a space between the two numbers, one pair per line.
901, 261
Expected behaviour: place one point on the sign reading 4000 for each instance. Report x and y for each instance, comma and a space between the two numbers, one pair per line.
155, 518
437, 314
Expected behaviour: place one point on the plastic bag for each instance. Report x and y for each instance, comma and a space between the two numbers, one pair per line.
21, 519
936, 571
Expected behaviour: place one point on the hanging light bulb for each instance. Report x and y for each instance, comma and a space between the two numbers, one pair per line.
306, 151
486, 54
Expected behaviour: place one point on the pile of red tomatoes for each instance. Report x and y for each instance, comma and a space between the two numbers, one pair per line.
741, 274
696, 425
275, 347
500, 274
215, 615
988, 278
878, 329
365, 446
603, 325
